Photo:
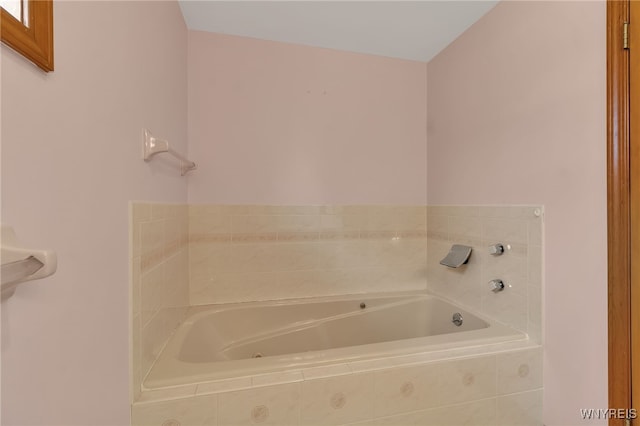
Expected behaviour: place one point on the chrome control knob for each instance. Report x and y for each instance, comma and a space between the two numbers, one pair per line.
496, 285
496, 249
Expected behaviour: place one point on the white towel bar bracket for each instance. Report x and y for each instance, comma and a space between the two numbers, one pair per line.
20, 264
152, 146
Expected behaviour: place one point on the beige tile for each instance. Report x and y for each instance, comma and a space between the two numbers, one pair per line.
260, 237
466, 380
158, 211
136, 358
208, 209
168, 393
534, 331
535, 231
398, 278
208, 259
226, 385
195, 411
521, 409
509, 268
437, 210
343, 281
505, 231
380, 218
535, 265
411, 218
140, 212
302, 283
298, 223
292, 237
249, 258
172, 231
135, 238
326, 371
177, 279
343, 254
480, 413
250, 209
400, 390
534, 298
460, 210
341, 222
232, 287
135, 285
295, 210
295, 256
519, 371
172, 211
507, 212
337, 400
272, 405
152, 285
397, 252
151, 236
469, 298
209, 224
254, 224
437, 223
507, 307
466, 227
276, 378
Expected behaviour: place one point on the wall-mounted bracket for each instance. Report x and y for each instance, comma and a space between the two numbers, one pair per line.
152, 146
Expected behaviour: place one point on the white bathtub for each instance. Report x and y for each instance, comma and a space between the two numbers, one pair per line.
223, 341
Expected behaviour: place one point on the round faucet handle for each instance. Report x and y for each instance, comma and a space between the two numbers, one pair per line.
496, 249
496, 285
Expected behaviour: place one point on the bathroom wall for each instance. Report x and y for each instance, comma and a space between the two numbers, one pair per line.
520, 230
159, 281
259, 252
283, 124
517, 115
71, 162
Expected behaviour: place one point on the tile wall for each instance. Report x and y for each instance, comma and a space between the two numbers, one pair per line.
249, 253
160, 281
496, 389
520, 267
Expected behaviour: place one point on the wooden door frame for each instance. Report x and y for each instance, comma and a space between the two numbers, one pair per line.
618, 208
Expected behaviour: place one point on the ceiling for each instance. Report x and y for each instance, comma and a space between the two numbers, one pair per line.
415, 30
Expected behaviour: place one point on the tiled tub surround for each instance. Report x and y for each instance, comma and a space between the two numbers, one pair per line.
520, 267
160, 281
251, 253
244, 253
504, 388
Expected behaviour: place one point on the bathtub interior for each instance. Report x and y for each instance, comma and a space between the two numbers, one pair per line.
246, 332
281, 336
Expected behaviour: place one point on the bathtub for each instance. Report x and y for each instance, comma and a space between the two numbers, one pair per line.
233, 340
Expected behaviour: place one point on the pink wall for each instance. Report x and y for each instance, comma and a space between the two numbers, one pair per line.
517, 115
71, 146
277, 123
